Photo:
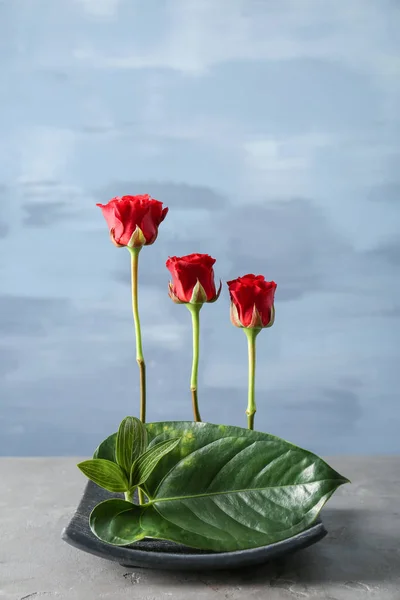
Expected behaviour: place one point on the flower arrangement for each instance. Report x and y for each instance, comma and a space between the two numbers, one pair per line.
209, 486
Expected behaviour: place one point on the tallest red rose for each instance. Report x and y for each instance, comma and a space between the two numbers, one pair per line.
133, 220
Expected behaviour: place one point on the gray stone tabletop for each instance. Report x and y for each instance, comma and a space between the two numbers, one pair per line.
358, 559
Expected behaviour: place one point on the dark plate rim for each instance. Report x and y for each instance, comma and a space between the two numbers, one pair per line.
78, 534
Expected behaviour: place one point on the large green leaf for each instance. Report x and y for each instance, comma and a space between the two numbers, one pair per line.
106, 474
226, 488
130, 443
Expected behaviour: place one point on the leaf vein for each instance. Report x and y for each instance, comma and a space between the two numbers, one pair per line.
227, 463
169, 499
182, 459
186, 528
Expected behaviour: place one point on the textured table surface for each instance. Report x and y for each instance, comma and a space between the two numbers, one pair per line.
358, 559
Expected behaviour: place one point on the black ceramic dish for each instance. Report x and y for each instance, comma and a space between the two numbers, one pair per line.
161, 554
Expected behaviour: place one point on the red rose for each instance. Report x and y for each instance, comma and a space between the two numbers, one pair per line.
192, 279
252, 301
133, 220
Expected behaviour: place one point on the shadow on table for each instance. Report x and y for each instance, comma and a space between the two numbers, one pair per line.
362, 547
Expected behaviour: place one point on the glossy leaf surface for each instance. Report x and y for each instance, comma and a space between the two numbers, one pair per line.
226, 488
117, 522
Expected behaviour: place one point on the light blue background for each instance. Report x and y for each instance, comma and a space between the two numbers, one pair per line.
271, 130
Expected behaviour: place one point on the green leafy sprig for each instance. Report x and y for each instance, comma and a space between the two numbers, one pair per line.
134, 461
213, 487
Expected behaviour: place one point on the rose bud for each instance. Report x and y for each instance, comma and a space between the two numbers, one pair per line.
252, 301
192, 279
133, 220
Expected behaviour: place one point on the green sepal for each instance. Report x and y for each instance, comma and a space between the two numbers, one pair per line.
137, 239
199, 295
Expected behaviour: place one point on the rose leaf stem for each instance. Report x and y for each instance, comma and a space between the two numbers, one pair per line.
195, 311
134, 252
251, 334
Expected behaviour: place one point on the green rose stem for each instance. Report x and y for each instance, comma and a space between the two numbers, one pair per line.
195, 310
139, 350
134, 252
251, 334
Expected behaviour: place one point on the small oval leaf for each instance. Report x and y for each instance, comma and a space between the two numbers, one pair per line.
131, 442
143, 466
124, 444
117, 522
105, 473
